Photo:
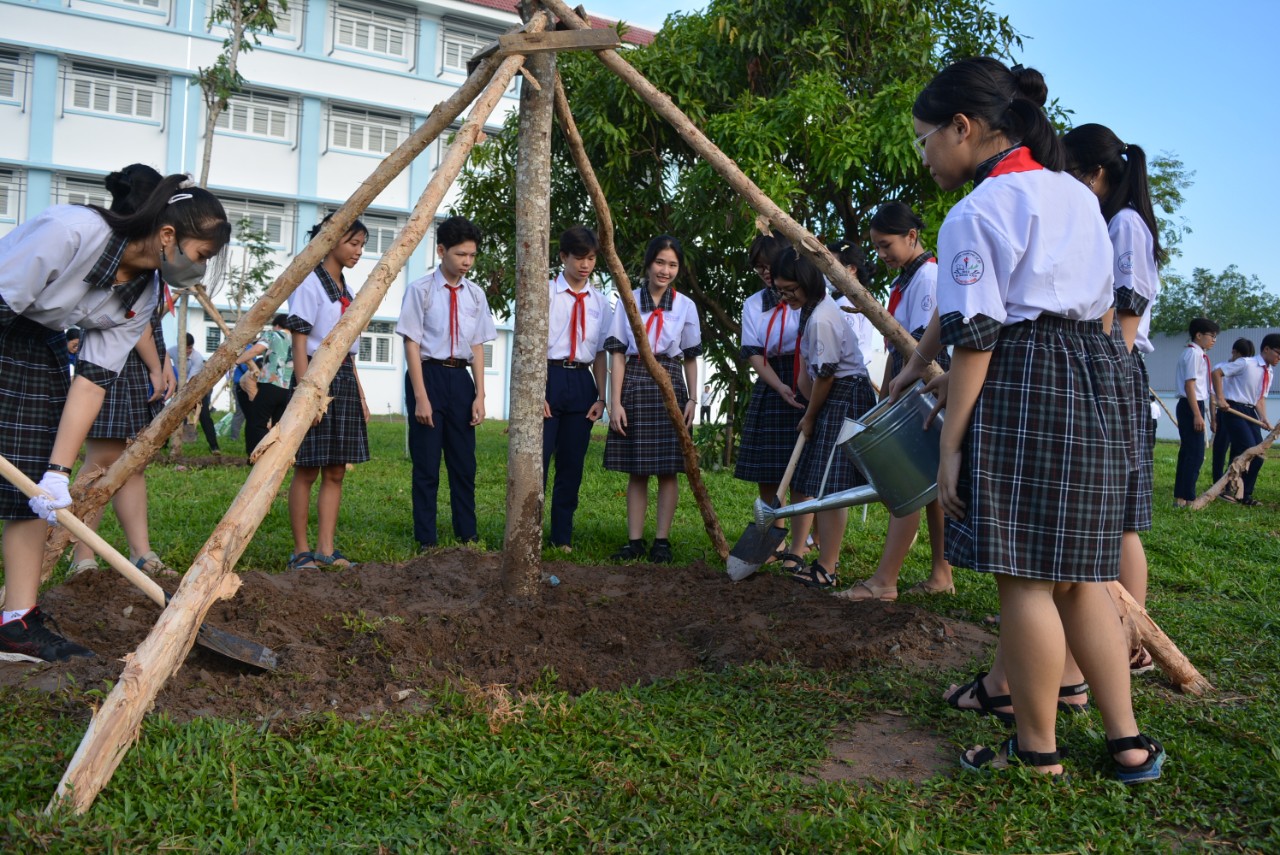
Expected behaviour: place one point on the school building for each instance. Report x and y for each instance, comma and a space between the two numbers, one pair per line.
89, 86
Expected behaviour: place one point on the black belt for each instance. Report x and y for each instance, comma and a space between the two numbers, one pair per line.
451, 362
570, 364
1240, 405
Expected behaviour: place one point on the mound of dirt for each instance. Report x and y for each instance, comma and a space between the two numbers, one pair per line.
362, 640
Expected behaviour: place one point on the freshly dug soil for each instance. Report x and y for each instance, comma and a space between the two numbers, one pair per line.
360, 641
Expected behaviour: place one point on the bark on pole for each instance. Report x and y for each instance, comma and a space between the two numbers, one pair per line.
522, 544
116, 723
1141, 629
750, 193
92, 490
628, 302
1235, 472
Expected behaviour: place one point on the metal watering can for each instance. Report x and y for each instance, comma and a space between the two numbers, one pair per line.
892, 449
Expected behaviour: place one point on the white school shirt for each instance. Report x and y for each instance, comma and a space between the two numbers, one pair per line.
863, 330
1246, 379
596, 311
315, 309
679, 335
1137, 279
1026, 241
46, 265
919, 297
829, 347
766, 316
195, 361
1193, 365
424, 317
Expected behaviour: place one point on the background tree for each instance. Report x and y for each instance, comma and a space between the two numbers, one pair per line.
256, 270
1229, 298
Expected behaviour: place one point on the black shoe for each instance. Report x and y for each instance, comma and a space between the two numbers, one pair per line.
28, 636
660, 552
633, 551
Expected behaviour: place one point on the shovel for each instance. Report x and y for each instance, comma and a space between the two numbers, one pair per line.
217, 640
758, 542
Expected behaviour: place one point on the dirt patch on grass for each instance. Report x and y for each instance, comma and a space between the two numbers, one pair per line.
885, 747
365, 640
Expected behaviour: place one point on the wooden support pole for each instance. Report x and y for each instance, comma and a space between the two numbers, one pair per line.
1141, 629
1235, 471
628, 302
92, 490
116, 723
522, 543
803, 240
534, 43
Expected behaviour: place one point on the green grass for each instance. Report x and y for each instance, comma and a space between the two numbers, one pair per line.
700, 762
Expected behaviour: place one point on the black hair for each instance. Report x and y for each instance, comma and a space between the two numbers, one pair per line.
896, 218
660, 243
1243, 346
794, 267
578, 241
131, 186
356, 228
765, 248
191, 340
1271, 340
1091, 146
193, 212
456, 230
73, 333
1007, 101
1201, 325
850, 254
279, 320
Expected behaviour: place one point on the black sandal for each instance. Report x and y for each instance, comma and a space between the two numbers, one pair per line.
1147, 770
986, 703
815, 576
1007, 755
1068, 691
633, 551
790, 561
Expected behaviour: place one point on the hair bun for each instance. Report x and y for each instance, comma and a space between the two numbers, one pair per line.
1030, 85
118, 184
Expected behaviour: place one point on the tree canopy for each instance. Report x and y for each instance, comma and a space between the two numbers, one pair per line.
1228, 298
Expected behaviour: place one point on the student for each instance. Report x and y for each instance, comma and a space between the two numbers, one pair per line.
579, 318
267, 406
1194, 407
130, 403
342, 434
195, 364
836, 385
76, 265
770, 342
705, 417
642, 441
1240, 348
1242, 387
445, 322
73, 344
1034, 452
895, 234
854, 260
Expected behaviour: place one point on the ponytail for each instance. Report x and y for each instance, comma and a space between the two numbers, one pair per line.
131, 187
193, 212
849, 254
1091, 146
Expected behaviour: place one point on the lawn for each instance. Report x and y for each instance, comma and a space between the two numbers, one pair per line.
700, 762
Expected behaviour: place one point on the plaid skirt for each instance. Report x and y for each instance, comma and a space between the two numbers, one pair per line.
651, 446
768, 429
850, 397
1046, 457
125, 410
34, 379
342, 435
1137, 506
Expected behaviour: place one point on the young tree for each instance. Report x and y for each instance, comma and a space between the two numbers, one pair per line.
256, 270
1229, 298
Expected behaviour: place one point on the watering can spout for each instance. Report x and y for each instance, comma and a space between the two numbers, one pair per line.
863, 495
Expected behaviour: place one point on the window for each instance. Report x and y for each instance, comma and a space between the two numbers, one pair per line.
275, 219
145, 4
212, 338
377, 344
114, 91
257, 114
83, 191
11, 75
286, 23
385, 31
488, 355
360, 130
458, 47
10, 182
382, 232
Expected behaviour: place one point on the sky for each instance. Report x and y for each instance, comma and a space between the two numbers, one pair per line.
1182, 77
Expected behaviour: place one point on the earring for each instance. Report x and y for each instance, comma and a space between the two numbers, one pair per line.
1091, 181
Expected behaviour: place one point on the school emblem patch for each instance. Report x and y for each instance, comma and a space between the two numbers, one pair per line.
926, 305
1125, 263
967, 267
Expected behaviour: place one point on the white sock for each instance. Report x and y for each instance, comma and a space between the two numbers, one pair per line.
16, 614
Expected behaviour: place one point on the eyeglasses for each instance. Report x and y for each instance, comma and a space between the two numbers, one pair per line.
788, 292
918, 143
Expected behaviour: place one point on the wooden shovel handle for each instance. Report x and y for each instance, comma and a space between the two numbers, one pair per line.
88, 536
1241, 415
791, 468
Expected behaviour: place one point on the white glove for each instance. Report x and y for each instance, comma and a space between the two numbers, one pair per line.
55, 485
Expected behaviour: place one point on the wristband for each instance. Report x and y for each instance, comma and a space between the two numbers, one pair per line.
54, 467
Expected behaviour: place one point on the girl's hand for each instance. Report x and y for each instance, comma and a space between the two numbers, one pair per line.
546, 409
938, 388
789, 396
158, 388
364, 408
948, 479
596, 411
618, 419
807, 424
907, 377
690, 410
422, 412
170, 384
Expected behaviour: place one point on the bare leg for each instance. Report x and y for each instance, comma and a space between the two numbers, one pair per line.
830, 526
327, 505
897, 543
668, 496
23, 553
996, 683
130, 503
1033, 637
940, 577
99, 454
637, 505
1133, 567
300, 505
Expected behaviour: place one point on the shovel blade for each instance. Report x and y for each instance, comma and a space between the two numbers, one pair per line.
235, 647
755, 547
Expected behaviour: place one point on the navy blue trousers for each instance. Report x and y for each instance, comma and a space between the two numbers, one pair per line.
571, 392
1240, 436
451, 392
1190, 450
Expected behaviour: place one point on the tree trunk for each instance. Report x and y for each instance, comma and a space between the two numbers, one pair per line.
116, 723
1236, 470
522, 545
1141, 629
92, 490
213, 100
628, 302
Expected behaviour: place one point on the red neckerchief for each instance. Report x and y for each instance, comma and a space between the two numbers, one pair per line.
1266, 379
577, 318
1017, 160
453, 317
657, 314
904, 279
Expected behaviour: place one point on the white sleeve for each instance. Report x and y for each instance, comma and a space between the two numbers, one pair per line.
975, 265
